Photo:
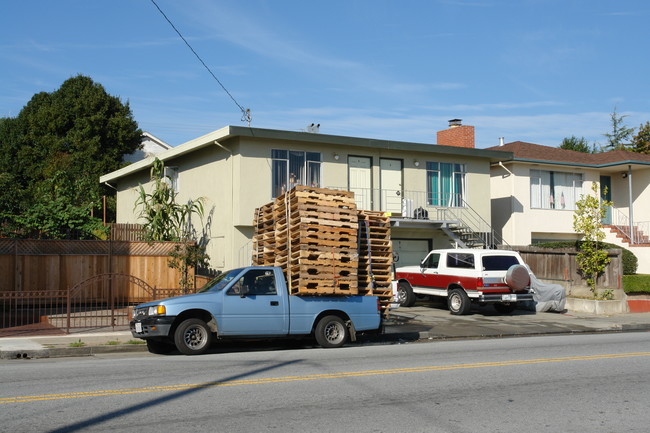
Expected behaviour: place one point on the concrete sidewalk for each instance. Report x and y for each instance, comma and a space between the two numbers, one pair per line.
421, 322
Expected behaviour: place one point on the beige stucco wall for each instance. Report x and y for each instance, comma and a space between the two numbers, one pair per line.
511, 210
519, 223
235, 178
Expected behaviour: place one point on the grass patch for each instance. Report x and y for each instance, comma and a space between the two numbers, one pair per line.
112, 343
136, 342
638, 283
77, 344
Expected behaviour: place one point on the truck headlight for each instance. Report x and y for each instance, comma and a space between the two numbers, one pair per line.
157, 310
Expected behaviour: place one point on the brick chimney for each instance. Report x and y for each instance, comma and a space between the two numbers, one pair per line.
457, 134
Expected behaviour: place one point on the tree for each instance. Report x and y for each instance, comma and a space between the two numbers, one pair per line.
620, 136
56, 149
166, 220
641, 141
587, 220
577, 144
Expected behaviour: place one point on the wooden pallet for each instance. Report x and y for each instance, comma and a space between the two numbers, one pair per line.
321, 242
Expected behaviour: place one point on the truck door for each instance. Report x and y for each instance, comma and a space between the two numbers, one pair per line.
252, 306
429, 276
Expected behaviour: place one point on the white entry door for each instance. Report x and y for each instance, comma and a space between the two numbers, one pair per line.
391, 185
360, 175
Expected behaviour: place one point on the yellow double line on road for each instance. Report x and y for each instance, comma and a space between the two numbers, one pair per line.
167, 388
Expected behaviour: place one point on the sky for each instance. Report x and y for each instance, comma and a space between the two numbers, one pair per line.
526, 70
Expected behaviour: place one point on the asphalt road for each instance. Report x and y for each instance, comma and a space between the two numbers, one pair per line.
595, 383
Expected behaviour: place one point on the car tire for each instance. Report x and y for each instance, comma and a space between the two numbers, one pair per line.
159, 347
192, 337
405, 295
458, 302
331, 332
505, 308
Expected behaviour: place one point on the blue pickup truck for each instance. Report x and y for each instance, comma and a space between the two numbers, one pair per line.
251, 302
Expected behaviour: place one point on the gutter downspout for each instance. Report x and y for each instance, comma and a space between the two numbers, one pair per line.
223, 147
629, 188
232, 204
505, 168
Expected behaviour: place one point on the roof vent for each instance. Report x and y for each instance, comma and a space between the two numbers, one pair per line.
455, 122
314, 128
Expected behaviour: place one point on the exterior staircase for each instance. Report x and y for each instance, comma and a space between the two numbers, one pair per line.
469, 230
640, 237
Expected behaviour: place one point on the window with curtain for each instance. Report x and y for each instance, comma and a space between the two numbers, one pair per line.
554, 189
445, 184
294, 167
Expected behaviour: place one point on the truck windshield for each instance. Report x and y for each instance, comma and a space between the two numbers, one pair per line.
220, 281
499, 263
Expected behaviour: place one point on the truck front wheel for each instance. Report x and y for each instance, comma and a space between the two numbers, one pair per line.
192, 337
405, 295
331, 332
458, 302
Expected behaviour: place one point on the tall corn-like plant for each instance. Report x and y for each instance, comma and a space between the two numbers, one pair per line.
587, 219
166, 220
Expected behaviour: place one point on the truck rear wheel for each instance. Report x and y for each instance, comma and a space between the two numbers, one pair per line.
405, 295
331, 332
192, 337
458, 302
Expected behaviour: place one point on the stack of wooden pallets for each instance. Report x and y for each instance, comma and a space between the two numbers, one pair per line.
316, 233
324, 245
264, 236
375, 256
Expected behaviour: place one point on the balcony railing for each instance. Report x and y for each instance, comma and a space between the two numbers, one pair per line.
451, 210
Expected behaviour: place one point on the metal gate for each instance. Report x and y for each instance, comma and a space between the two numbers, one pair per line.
102, 301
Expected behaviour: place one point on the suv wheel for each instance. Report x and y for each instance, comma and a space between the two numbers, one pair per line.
458, 302
405, 295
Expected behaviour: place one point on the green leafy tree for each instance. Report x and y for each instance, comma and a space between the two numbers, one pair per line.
166, 220
641, 141
56, 149
619, 137
587, 220
577, 144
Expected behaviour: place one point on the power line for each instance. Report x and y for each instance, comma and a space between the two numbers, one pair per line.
246, 112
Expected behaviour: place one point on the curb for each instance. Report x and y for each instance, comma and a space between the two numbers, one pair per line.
391, 337
61, 352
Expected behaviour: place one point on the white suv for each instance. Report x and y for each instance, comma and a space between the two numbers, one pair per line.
463, 276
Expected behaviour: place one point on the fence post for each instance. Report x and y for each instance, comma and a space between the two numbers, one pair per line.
68, 311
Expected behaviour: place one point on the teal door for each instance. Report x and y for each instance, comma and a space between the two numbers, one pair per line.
606, 194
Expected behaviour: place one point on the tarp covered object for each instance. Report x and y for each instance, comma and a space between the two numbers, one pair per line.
546, 297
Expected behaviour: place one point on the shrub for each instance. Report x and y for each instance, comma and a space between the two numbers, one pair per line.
639, 283
630, 261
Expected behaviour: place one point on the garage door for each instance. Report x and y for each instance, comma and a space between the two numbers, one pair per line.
411, 251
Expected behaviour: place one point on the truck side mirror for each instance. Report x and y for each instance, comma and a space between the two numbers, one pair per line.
243, 291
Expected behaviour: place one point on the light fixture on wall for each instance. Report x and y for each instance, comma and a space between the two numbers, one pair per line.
624, 174
336, 156
416, 162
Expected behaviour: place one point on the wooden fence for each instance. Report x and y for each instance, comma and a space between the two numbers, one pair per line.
560, 265
53, 284
50, 265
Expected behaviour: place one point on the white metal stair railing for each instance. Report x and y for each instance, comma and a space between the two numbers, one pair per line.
471, 228
460, 221
636, 234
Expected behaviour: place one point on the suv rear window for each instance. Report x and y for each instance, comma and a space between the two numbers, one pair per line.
499, 263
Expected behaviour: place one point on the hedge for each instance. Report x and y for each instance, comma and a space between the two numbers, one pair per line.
639, 283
